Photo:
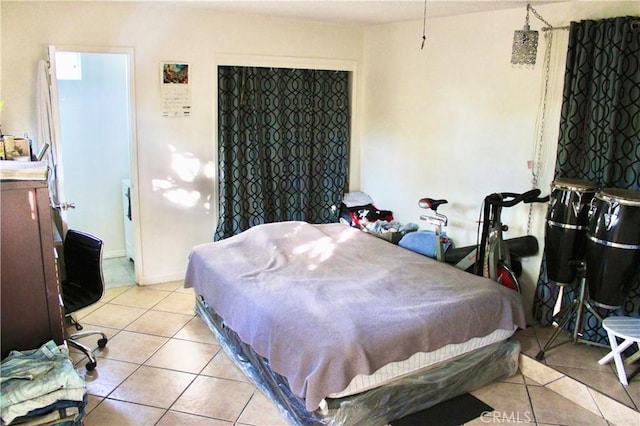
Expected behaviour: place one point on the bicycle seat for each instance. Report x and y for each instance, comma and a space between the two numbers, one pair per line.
430, 203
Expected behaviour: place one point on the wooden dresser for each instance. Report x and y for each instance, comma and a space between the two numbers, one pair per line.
31, 312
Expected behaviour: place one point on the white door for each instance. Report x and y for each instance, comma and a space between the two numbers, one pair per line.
92, 103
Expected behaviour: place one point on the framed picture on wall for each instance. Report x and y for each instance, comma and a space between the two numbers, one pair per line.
175, 89
175, 73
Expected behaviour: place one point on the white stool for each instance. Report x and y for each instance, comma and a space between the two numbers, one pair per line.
628, 329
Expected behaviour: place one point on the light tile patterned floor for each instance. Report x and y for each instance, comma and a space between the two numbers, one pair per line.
118, 272
162, 366
572, 370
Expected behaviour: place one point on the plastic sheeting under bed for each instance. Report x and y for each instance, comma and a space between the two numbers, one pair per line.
378, 406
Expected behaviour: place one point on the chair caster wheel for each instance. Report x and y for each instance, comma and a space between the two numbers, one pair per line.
540, 356
102, 343
90, 366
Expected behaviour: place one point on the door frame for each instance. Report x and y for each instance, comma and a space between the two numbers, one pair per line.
133, 143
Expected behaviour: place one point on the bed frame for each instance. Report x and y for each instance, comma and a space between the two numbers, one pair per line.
381, 405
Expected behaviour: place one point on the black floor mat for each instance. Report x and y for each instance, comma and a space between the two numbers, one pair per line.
453, 412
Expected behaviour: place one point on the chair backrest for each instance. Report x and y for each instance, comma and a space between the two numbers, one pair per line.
83, 267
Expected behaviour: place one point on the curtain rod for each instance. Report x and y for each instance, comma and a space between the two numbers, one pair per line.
566, 27
634, 26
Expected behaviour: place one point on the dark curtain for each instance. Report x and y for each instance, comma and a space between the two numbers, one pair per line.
599, 134
600, 122
283, 145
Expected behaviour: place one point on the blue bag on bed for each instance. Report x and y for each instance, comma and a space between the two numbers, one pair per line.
423, 242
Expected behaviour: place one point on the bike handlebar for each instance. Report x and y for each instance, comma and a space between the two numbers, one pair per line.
496, 199
502, 198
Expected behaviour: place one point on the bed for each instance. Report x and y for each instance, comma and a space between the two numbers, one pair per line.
340, 327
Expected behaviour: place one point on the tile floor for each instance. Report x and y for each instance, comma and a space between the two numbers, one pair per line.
572, 370
161, 359
118, 272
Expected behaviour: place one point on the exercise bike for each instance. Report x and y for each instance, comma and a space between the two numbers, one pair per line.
493, 256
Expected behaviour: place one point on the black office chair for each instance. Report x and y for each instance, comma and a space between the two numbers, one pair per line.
83, 285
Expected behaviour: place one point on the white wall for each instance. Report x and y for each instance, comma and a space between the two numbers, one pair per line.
160, 32
453, 121
456, 121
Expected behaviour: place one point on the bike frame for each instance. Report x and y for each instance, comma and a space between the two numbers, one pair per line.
495, 259
498, 254
438, 221
497, 251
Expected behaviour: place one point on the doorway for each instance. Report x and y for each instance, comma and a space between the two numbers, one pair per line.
94, 105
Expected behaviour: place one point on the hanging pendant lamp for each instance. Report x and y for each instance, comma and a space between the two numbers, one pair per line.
525, 42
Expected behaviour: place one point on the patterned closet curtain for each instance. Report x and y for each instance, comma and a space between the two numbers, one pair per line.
283, 145
599, 134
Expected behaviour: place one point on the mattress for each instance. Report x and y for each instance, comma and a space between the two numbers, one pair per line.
326, 303
418, 362
382, 404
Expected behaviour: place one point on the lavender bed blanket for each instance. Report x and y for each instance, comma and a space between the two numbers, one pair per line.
324, 303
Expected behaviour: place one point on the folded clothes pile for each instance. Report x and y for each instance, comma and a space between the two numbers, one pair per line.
41, 386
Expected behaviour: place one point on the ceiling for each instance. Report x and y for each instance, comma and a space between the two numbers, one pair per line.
358, 12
